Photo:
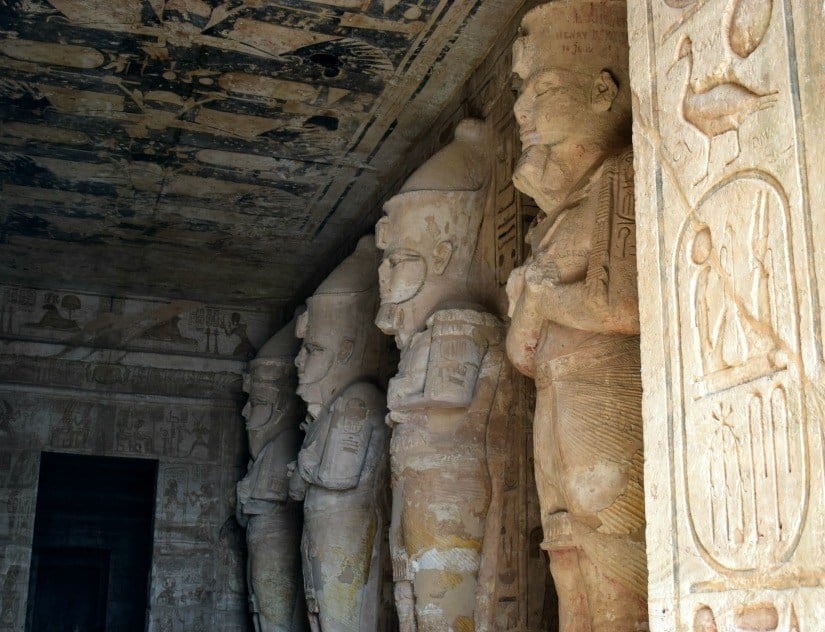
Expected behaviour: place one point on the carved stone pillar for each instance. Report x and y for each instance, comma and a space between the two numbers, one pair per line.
728, 122
341, 472
450, 401
273, 521
574, 309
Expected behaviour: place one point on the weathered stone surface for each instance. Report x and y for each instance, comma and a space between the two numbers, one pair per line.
272, 520
727, 139
341, 471
171, 398
574, 309
451, 401
139, 140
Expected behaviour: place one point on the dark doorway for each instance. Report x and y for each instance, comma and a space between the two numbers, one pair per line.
92, 548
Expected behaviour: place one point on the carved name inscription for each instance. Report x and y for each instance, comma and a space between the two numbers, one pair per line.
729, 353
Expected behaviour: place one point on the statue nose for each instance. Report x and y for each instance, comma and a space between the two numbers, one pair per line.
520, 110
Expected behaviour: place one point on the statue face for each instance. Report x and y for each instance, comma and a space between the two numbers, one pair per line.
324, 359
413, 276
554, 105
401, 275
564, 122
314, 361
259, 407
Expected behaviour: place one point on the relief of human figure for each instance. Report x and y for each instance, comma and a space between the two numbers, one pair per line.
341, 473
574, 309
273, 415
448, 403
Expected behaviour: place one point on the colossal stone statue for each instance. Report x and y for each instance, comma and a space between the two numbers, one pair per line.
272, 520
447, 403
341, 471
574, 309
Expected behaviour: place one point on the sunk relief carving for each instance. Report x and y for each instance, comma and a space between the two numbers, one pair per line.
574, 310
749, 22
341, 471
450, 400
746, 429
732, 322
717, 105
271, 518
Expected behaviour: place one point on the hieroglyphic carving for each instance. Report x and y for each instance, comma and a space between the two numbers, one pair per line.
730, 347
102, 321
60, 394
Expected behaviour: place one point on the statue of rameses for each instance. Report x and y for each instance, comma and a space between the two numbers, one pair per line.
273, 414
446, 403
574, 309
341, 472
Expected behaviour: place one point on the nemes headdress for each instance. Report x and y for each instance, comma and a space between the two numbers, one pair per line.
459, 173
275, 361
353, 284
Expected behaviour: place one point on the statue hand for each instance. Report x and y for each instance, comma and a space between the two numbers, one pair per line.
297, 484
596, 293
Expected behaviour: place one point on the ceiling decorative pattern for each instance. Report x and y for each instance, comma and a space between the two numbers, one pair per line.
212, 149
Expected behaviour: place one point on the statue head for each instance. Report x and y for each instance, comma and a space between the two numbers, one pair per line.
430, 232
574, 104
340, 342
270, 382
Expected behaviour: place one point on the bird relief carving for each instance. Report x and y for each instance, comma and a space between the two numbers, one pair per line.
714, 101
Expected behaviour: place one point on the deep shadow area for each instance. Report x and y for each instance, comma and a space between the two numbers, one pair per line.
92, 549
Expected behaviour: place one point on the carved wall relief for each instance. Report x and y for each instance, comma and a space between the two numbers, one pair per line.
746, 428
272, 520
185, 327
574, 310
341, 471
451, 399
79, 376
729, 351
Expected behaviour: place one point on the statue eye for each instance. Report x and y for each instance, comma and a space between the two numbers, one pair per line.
399, 258
543, 87
546, 82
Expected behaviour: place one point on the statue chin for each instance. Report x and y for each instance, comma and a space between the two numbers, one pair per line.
390, 320
535, 172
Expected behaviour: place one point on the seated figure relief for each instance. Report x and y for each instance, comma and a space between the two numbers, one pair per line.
447, 403
273, 414
574, 309
341, 471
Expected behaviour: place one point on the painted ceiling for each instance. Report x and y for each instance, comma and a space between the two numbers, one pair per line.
224, 151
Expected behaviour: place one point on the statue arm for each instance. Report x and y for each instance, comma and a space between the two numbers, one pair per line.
580, 305
458, 346
525, 324
344, 456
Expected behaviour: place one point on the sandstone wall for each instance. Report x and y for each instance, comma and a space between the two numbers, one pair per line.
127, 377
